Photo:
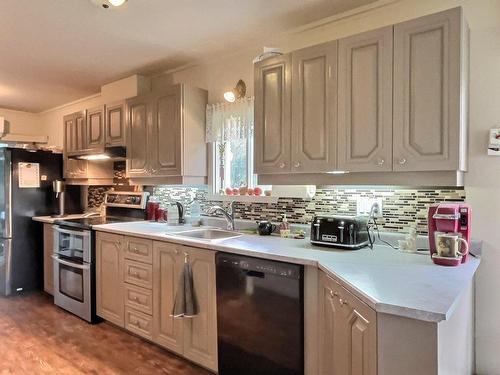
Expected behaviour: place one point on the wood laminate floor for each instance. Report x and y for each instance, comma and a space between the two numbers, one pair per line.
37, 337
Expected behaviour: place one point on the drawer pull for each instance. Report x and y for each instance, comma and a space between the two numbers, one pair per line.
343, 302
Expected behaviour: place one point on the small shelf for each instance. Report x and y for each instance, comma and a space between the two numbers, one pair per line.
242, 198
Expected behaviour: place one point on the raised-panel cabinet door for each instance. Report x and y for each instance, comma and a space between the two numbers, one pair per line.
80, 129
167, 265
95, 130
427, 92
365, 101
115, 124
347, 332
357, 327
75, 168
314, 109
272, 115
139, 120
330, 345
109, 278
166, 134
200, 332
69, 134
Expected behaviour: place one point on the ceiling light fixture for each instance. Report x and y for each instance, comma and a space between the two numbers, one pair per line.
106, 4
117, 3
238, 92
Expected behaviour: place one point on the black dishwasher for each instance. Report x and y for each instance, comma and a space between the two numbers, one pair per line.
260, 316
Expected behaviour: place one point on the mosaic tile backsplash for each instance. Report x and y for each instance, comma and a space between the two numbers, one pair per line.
401, 207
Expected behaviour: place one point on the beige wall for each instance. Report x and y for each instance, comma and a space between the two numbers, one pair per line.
483, 179
23, 122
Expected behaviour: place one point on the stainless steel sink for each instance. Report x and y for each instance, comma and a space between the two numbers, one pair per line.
207, 234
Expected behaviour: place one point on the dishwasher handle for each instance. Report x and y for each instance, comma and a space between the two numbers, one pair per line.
257, 267
257, 274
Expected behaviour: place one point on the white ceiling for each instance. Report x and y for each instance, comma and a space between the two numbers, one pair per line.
56, 51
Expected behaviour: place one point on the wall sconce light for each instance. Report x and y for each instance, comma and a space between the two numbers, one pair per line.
237, 93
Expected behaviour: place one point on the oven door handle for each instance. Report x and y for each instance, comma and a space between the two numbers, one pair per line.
83, 233
71, 264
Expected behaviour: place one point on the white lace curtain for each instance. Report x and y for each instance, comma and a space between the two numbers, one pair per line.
227, 121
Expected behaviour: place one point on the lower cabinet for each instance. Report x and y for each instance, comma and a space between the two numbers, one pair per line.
109, 278
137, 291
347, 331
194, 338
48, 264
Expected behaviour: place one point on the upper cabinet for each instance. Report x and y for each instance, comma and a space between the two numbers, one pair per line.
74, 132
365, 101
428, 94
166, 137
95, 136
388, 100
115, 124
273, 88
314, 110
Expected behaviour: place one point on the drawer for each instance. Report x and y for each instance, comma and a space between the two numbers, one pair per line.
137, 273
139, 323
139, 299
139, 249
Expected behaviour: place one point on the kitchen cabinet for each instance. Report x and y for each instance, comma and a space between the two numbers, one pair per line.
395, 100
273, 88
365, 101
74, 132
200, 332
347, 331
139, 119
194, 338
314, 110
48, 265
167, 135
109, 278
168, 262
95, 130
115, 124
429, 92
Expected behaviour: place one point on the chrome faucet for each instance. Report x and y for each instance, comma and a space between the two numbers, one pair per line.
228, 214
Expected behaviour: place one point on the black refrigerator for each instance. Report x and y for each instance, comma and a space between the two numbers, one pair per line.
26, 191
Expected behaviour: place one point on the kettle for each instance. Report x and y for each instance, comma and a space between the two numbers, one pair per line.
265, 227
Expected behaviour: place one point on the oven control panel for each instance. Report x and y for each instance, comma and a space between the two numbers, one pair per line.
126, 199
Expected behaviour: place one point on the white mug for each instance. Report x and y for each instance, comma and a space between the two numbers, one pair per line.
449, 244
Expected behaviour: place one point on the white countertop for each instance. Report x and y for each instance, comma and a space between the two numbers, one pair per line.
389, 281
51, 220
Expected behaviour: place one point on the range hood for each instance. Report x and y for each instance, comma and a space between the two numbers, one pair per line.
108, 153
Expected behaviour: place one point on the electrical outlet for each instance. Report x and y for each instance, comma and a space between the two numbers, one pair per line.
364, 206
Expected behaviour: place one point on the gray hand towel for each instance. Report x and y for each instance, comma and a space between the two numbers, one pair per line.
185, 304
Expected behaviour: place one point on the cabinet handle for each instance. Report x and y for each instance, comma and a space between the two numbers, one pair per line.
343, 302
402, 161
297, 164
282, 165
154, 170
380, 161
135, 250
176, 251
332, 293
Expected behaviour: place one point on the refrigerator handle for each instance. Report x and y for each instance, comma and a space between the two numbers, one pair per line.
8, 194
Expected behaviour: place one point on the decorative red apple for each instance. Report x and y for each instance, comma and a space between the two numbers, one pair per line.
236, 191
229, 191
257, 191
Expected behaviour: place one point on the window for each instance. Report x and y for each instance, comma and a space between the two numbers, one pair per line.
230, 130
233, 164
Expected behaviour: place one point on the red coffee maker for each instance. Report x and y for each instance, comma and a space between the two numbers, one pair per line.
449, 217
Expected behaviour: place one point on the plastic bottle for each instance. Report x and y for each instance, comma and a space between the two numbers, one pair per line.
195, 211
284, 227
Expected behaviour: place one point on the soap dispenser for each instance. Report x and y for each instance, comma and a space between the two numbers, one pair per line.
284, 228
